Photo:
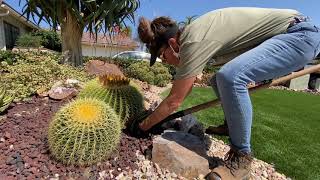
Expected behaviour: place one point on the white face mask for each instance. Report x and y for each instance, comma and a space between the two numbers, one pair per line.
176, 54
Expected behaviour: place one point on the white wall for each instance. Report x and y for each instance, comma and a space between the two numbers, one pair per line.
88, 50
2, 38
22, 27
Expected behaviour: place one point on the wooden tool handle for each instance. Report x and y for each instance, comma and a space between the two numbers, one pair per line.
252, 89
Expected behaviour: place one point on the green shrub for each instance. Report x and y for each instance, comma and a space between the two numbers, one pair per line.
49, 39
27, 40
210, 69
158, 74
171, 68
9, 57
84, 132
36, 71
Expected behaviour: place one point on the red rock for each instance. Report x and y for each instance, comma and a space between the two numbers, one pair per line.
33, 170
7, 135
96, 67
12, 140
10, 178
31, 176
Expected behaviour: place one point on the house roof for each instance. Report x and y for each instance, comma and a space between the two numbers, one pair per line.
119, 40
19, 16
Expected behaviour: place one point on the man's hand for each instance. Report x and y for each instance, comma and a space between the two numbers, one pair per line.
179, 91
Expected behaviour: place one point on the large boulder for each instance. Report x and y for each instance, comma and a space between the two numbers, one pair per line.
182, 153
97, 67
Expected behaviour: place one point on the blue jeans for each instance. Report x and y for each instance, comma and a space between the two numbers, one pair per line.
275, 57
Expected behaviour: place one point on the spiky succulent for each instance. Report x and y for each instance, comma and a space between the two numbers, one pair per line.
118, 92
5, 99
84, 132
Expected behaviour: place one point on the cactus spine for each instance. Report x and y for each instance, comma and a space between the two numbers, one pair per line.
5, 100
84, 132
118, 92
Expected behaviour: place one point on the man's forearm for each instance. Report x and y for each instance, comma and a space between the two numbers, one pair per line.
180, 89
166, 107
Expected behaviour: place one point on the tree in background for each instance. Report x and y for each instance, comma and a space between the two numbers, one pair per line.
188, 21
73, 16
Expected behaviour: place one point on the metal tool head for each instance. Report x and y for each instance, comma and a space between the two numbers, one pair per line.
135, 131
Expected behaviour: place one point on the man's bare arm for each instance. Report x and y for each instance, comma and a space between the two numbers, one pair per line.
180, 89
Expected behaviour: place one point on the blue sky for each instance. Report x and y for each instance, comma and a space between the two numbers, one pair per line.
179, 9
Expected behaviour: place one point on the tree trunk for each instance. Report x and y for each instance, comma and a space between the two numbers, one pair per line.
71, 33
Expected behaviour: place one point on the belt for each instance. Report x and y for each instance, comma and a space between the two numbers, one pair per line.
297, 20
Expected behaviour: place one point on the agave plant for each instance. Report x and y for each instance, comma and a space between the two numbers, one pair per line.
5, 100
84, 132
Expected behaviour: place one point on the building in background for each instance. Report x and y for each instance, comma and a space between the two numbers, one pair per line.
12, 25
105, 45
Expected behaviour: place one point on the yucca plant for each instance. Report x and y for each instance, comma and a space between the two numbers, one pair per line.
117, 91
73, 16
5, 100
84, 132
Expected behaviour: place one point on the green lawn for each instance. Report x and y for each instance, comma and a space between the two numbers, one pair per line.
286, 128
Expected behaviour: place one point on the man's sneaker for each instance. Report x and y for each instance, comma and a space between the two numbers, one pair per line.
236, 166
221, 130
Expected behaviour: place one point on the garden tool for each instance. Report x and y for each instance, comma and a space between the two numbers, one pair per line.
134, 129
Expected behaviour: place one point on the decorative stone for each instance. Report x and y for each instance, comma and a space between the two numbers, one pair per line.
180, 152
60, 93
300, 83
7, 135
187, 122
72, 83
317, 86
57, 84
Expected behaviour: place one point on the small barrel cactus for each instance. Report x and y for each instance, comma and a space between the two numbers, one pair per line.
84, 132
118, 92
5, 100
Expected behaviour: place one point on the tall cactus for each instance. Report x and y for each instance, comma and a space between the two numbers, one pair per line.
118, 92
84, 132
5, 100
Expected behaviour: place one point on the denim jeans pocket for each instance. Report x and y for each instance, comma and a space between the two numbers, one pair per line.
317, 51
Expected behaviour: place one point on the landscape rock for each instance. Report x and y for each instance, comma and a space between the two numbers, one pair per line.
57, 84
60, 93
187, 122
97, 67
72, 83
182, 153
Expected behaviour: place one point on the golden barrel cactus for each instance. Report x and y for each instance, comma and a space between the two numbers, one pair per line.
84, 132
117, 91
